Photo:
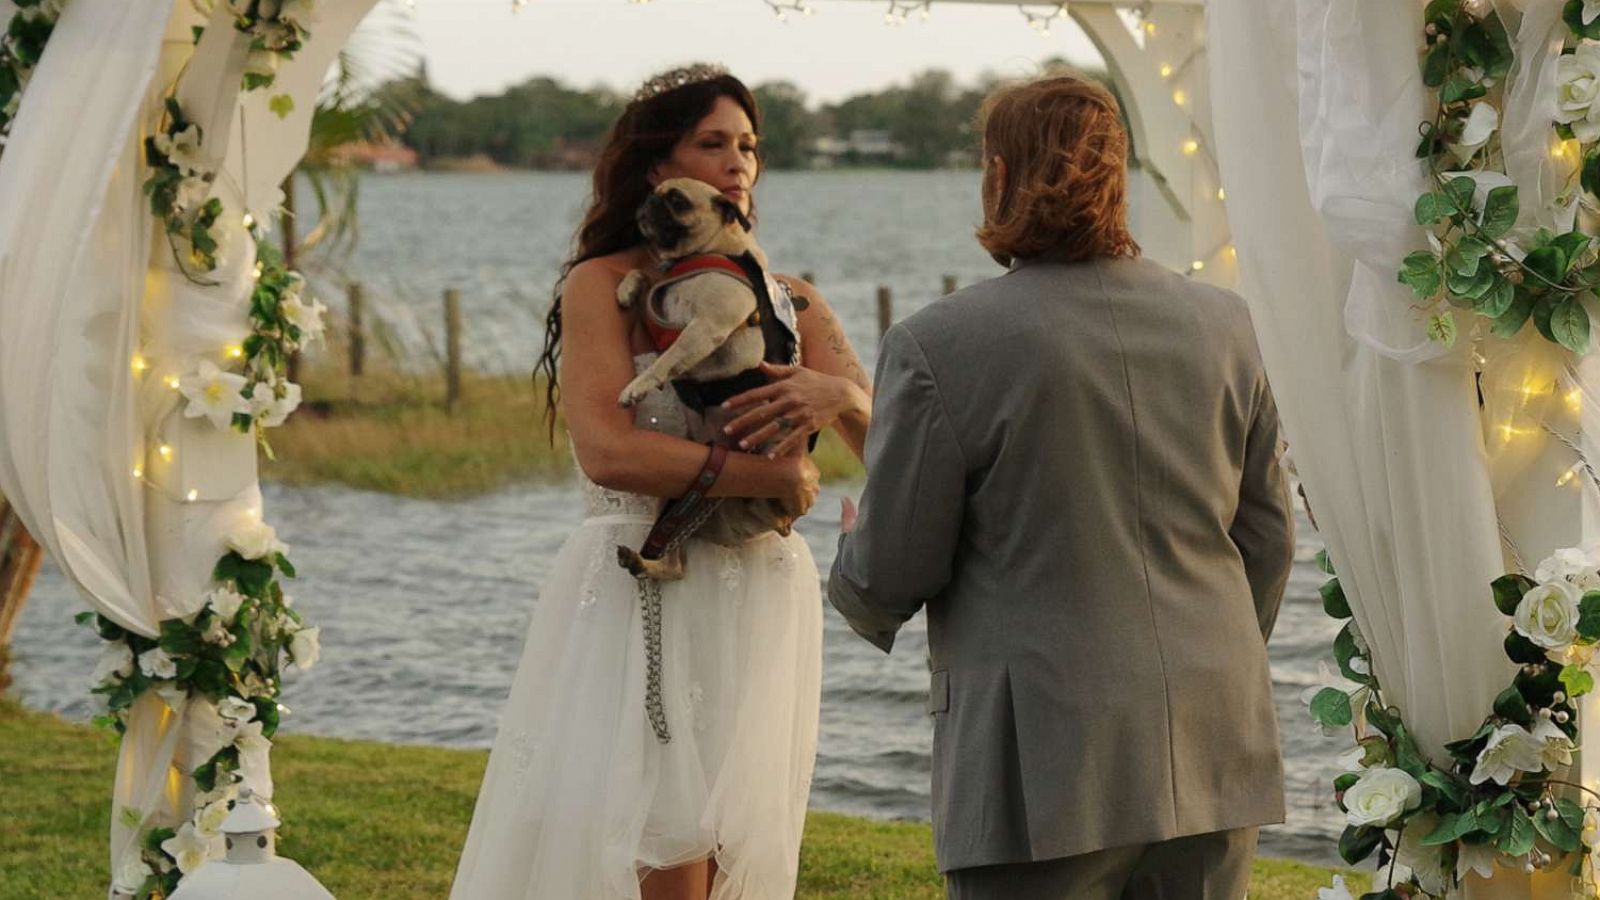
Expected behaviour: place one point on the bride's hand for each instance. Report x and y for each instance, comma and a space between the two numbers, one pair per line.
805, 485
797, 404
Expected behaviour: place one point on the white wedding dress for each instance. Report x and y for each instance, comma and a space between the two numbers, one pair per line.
580, 799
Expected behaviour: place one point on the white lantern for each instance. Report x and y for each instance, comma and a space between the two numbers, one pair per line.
252, 870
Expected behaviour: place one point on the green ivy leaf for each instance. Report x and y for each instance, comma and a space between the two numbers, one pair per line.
1357, 843
1344, 650
1431, 208
285, 566
1548, 262
281, 105
1572, 14
1510, 322
1471, 286
1345, 782
1450, 828
1333, 599
1590, 179
179, 639
1500, 211
1464, 257
1508, 591
1330, 708
1576, 680
1573, 244
1442, 328
1522, 651
1543, 310
1461, 190
1589, 615
1569, 323
1556, 831
1511, 706
1453, 788
1497, 300
1459, 87
1436, 66
1422, 274
1519, 837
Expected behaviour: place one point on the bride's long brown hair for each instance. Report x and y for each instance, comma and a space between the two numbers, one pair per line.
643, 136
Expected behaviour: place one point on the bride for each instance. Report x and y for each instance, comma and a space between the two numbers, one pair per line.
582, 799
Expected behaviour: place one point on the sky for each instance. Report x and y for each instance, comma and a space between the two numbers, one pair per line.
476, 47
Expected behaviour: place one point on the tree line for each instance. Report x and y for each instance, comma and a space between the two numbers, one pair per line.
542, 123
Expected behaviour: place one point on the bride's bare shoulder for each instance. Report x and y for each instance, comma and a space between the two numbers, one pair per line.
607, 271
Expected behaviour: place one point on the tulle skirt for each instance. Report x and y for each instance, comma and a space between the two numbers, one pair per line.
580, 799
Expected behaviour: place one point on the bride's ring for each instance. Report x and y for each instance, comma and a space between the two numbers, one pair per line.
784, 423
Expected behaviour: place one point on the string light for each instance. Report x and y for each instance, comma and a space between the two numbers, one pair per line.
166, 452
1191, 147
192, 496
139, 364
1180, 98
138, 472
1575, 399
172, 381
1197, 265
1222, 194
900, 11
249, 221
1166, 70
1531, 389
1570, 474
782, 8
256, 272
235, 351
1150, 28
1040, 21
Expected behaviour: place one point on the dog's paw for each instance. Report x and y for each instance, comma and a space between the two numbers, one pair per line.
629, 290
636, 390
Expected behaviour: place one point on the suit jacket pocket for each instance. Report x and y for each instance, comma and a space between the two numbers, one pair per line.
939, 692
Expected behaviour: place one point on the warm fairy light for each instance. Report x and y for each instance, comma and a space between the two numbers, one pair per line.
1535, 388
1507, 432
1180, 98
1197, 265
249, 221
166, 452
1575, 399
139, 364
1150, 28
1568, 475
235, 351
1233, 252
1191, 147
1166, 70
172, 381
138, 471
1222, 194
193, 495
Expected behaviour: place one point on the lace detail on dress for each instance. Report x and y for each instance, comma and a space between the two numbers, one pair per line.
658, 411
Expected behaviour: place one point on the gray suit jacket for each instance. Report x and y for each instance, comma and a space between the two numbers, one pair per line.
1075, 468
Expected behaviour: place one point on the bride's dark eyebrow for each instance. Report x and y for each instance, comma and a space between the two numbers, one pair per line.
711, 132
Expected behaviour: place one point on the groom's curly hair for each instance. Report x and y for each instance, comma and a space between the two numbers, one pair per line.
1066, 158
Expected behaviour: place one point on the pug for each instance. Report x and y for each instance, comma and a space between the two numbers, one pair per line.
717, 319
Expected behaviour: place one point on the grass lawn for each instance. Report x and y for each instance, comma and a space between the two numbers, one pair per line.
378, 821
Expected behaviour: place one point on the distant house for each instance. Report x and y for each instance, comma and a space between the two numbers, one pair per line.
376, 157
863, 145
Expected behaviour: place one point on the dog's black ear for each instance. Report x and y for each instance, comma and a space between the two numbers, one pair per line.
730, 211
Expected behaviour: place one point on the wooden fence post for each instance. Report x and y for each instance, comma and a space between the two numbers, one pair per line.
452, 327
885, 310
358, 335
949, 284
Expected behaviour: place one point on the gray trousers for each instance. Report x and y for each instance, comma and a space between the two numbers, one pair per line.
1213, 866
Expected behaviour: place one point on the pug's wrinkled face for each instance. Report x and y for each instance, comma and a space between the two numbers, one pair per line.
685, 216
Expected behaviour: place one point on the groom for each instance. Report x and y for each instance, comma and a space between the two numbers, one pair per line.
1074, 466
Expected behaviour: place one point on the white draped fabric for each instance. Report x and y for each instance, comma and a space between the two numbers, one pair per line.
87, 281
1422, 496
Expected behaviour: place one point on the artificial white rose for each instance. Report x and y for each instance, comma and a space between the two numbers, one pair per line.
211, 816
225, 602
306, 647
1578, 89
132, 875
1548, 614
1337, 892
1481, 125
1380, 796
282, 407
157, 664
308, 318
191, 849
116, 661
236, 709
183, 150
1511, 749
1576, 566
255, 539
1426, 864
215, 394
192, 194
1555, 748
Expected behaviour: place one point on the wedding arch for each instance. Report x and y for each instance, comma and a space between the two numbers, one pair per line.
1425, 327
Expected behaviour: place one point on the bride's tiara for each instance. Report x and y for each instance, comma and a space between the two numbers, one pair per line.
677, 78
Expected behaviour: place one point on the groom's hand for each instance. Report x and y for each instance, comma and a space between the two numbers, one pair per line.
847, 515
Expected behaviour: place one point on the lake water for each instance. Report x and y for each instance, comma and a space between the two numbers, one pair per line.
420, 639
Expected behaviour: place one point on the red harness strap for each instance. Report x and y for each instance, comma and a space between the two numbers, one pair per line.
663, 337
